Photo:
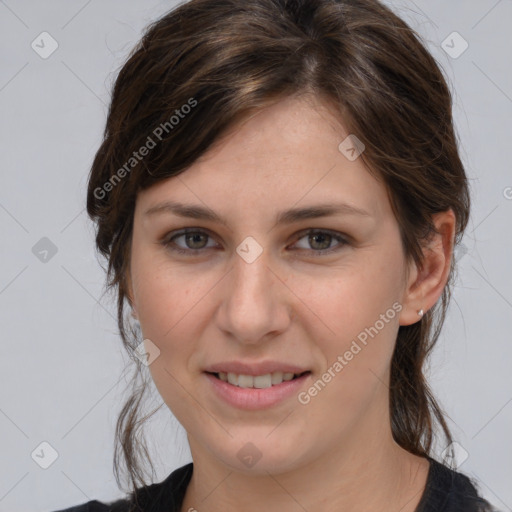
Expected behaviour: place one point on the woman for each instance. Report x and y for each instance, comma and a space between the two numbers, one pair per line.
279, 194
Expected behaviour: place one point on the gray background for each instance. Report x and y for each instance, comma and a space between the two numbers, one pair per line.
62, 361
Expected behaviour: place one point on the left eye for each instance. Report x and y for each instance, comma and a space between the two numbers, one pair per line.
195, 241
323, 239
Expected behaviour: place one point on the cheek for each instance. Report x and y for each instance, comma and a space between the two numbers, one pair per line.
356, 359
344, 302
167, 313
165, 295
164, 303
174, 308
355, 326
167, 319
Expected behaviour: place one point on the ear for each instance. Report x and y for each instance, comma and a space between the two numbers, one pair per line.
424, 287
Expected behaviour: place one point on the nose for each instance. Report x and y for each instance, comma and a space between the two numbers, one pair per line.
256, 303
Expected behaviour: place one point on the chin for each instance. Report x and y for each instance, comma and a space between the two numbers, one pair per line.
261, 454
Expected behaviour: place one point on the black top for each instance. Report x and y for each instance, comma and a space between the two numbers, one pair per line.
446, 491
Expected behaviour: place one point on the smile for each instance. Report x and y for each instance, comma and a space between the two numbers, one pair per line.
256, 392
257, 381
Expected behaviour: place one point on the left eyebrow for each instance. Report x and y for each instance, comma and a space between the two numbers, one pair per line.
290, 216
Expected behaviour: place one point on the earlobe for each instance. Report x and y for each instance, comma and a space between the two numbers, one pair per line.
412, 302
426, 286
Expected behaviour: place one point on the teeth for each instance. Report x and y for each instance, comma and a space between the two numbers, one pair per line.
277, 378
258, 381
246, 381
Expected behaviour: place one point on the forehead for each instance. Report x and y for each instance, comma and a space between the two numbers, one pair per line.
286, 154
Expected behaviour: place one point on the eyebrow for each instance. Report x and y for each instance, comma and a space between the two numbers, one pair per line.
290, 216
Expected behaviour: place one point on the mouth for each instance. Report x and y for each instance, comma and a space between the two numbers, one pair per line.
257, 381
256, 392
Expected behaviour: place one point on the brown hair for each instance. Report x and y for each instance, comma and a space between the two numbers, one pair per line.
227, 58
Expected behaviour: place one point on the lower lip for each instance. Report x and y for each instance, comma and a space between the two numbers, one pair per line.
253, 398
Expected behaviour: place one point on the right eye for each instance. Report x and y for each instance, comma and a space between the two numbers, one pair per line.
192, 238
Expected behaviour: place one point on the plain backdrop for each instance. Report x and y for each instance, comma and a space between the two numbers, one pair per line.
62, 361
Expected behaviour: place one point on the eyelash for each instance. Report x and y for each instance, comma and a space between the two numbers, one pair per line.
168, 241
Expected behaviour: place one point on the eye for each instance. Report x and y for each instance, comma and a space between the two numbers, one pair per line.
195, 241
321, 241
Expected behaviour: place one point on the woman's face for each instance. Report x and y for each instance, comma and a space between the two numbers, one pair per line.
249, 290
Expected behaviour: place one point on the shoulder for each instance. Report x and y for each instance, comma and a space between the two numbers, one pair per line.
448, 490
97, 506
167, 494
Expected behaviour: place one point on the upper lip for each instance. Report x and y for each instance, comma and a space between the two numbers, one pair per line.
242, 368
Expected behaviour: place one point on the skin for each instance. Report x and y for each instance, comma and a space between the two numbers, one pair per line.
336, 452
